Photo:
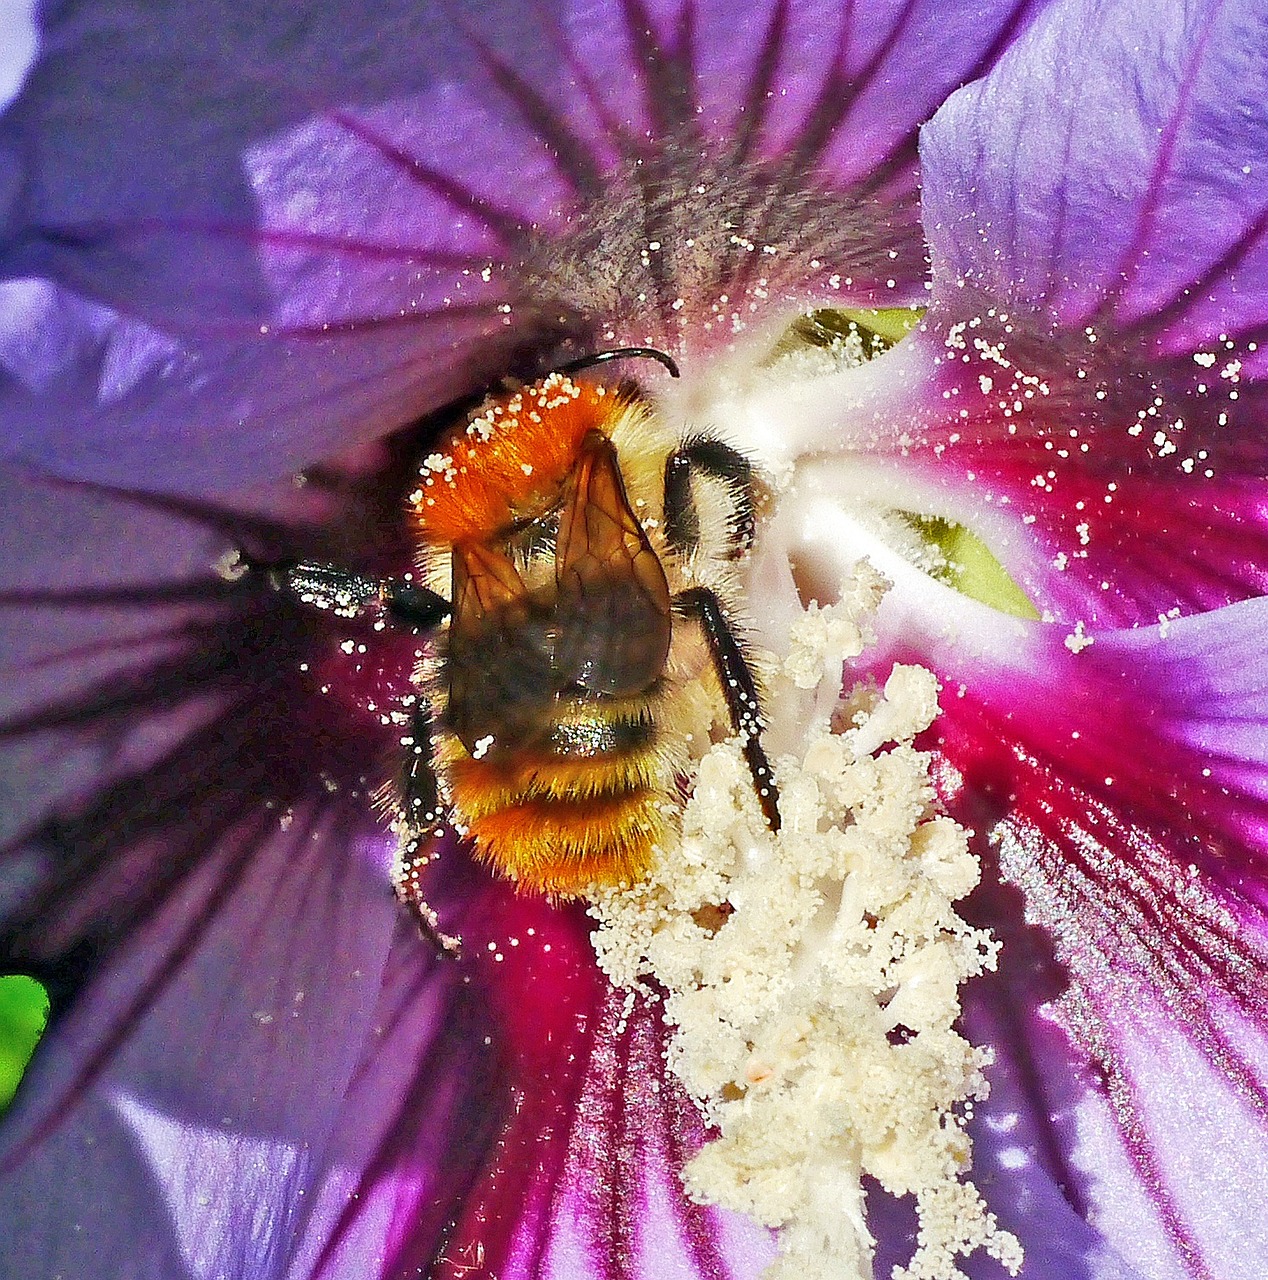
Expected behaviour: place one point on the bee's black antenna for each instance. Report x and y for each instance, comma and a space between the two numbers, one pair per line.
465, 404
620, 353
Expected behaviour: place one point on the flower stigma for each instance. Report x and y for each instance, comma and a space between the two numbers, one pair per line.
811, 976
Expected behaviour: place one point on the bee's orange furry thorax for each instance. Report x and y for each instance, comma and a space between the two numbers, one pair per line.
509, 463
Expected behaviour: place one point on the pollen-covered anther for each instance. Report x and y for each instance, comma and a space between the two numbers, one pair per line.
814, 1015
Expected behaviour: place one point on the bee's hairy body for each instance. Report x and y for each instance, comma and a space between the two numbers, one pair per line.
559, 782
585, 558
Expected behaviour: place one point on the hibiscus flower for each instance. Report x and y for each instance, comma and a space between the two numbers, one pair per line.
250, 257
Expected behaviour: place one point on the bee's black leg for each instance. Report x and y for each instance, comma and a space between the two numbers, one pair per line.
415, 606
421, 820
711, 458
420, 812
352, 595
738, 688
411, 861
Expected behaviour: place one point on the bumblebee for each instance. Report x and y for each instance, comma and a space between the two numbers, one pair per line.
577, 568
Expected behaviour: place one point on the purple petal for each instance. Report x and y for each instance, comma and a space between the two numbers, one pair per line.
898, 61
104, 553
842, 88
336, 269
258, 986
1124, 788
1166, 544
165, 227
493, 131
1104, 542
19, 48
1024, 1137
206, 893
114, 400
1113, 495
1141, 196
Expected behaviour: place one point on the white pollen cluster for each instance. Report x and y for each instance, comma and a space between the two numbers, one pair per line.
812, 977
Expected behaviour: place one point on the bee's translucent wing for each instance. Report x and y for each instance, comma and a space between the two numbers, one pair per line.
500, 664
604, 632
612, 615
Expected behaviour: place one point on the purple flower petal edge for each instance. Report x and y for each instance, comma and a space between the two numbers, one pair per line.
1141, 199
